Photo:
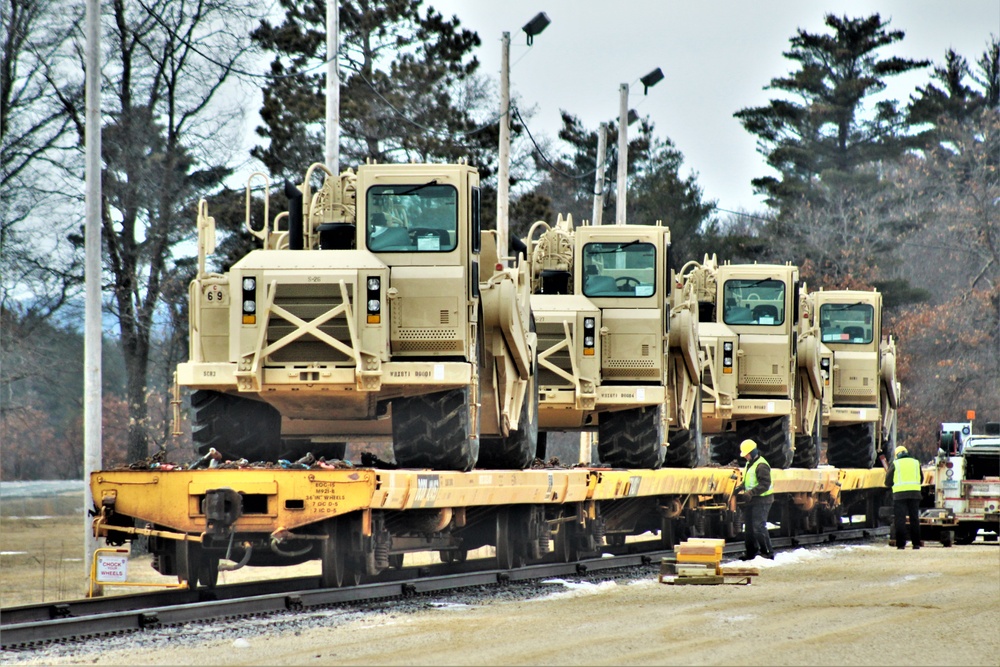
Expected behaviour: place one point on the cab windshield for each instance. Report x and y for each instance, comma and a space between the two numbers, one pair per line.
619, 269
412, 218
756, 301
846, 322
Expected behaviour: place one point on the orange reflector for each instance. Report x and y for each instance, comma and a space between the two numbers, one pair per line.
374, 319
588, 352
249, 319
728, 370
970, 414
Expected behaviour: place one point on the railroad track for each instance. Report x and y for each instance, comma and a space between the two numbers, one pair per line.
30, 625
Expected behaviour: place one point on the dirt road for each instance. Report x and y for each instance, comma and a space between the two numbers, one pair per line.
838, 605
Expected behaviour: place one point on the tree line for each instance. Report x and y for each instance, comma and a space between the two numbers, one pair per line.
902, 196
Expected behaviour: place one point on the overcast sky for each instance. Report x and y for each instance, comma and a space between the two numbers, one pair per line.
717, 55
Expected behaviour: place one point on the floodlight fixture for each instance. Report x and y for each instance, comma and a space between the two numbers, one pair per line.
651, 79
536, 25
632, 116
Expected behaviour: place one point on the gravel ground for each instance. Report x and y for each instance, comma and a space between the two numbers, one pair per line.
838, 605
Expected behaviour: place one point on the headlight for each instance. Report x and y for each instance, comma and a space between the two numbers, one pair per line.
249, 306
373, 305
249, 284
374, 284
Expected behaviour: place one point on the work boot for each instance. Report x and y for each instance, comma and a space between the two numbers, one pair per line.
748, 557
768, 556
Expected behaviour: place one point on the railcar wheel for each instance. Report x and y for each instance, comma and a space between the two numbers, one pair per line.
566, 541
631, 438
339, 566
208, 571
851, 446
237, 427
435, 431
194, 567
511, 538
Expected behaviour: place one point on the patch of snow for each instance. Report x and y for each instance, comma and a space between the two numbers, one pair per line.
577, 588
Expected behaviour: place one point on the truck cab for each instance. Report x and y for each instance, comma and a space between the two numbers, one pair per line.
966, 490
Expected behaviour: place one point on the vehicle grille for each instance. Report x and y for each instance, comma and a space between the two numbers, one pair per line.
308, 302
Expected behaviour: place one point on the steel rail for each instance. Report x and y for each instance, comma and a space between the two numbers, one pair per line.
81, 619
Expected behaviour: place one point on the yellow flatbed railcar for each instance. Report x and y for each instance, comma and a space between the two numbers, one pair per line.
361, 521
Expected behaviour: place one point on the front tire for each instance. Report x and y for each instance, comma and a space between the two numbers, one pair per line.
852, 446
517, 450
237, 427
685, 444
773, 439
631, 438
435, 431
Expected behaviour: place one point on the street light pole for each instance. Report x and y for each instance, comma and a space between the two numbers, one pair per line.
503, 171
332, 86
92, 372
622, 152
602, 150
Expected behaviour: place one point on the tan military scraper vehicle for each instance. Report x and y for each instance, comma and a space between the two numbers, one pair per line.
617, 347
375, 307
762, 377
861, 422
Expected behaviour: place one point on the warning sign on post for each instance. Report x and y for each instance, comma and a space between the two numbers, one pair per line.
112, 567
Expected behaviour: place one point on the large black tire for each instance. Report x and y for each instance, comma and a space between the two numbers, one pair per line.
806, 453
808, 447
773, 439
631, 438
685, 444
237, 427
435, 431
851, 446
724, 449
517, 450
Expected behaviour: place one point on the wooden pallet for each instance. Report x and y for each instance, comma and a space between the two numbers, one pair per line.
701, 574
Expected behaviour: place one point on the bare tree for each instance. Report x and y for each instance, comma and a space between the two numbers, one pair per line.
168, 139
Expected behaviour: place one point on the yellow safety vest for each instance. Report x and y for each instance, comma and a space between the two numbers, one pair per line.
907, 476
750, 476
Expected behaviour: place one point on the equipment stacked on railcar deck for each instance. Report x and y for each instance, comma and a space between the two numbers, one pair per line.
361, 521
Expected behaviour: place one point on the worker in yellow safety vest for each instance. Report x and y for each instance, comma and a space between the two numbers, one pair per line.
757, 492
904, 477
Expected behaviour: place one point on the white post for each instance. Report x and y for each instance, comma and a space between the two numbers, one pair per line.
622, 153
332, 86
602, 151
92, 278
503, 171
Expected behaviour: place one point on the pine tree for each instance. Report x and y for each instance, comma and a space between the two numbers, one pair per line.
827, 133
408, 87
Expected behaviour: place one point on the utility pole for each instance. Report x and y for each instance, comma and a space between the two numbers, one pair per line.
332, 86
92, 409
602, 150
622, 153
503, 172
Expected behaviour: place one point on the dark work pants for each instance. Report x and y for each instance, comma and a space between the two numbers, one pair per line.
755, 518
907, 507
